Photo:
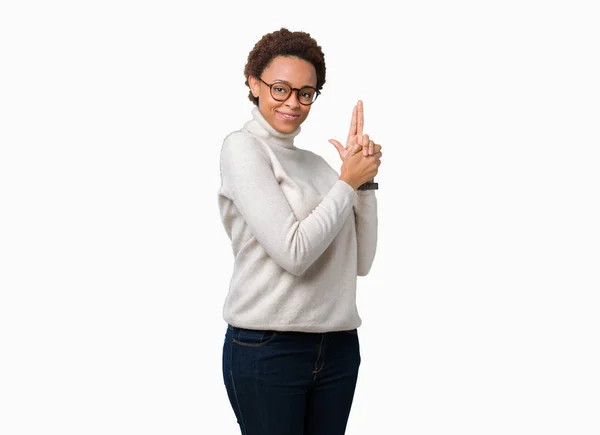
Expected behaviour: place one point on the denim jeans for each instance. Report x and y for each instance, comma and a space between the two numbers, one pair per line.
290, 383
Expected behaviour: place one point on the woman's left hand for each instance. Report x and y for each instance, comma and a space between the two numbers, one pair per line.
356, 136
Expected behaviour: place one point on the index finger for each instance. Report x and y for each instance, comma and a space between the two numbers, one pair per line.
360, 118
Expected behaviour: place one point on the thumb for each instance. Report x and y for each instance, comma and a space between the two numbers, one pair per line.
338, 145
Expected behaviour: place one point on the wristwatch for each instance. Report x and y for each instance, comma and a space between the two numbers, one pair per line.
369, 185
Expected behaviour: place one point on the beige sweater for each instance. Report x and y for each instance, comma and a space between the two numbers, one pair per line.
300, 236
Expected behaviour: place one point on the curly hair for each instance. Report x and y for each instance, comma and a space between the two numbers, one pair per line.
284, 43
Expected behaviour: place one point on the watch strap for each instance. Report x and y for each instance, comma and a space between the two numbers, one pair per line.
369, 185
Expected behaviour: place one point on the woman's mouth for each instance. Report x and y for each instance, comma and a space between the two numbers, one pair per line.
287, 116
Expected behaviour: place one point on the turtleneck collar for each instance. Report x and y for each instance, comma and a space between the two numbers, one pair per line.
261, 128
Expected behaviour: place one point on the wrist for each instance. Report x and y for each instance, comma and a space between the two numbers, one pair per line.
348, 181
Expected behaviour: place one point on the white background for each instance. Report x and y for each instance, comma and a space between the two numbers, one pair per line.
481, 311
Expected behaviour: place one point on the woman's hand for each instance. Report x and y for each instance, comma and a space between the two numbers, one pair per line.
356, 136
358, 169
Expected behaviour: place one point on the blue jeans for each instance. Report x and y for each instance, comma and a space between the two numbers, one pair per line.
290, 383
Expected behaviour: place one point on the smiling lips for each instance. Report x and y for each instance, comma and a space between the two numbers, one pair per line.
287, 116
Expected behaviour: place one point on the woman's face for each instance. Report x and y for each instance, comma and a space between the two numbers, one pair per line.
284, 116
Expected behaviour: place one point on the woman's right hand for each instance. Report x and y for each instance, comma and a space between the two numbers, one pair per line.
357, 168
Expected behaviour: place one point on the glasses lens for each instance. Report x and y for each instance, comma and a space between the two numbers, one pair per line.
280, 91
307, 95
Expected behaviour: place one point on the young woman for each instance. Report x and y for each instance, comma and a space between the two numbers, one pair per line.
301, 234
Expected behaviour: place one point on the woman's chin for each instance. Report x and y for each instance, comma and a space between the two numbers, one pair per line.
286, 127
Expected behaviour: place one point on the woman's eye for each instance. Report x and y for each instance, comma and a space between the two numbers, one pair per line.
279, 89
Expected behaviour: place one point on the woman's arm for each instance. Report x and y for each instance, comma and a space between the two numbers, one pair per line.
249, 179
365, 213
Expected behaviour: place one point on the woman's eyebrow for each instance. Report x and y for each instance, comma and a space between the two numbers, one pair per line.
286, 82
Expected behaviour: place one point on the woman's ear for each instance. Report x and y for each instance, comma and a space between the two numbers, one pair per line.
254, 85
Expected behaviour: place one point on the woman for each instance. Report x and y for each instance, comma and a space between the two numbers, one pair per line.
301, 234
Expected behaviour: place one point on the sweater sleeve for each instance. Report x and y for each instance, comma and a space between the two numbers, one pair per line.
365, 213
248, 176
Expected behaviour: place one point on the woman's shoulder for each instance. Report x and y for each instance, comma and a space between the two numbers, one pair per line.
240, 143
239, 138
240, 135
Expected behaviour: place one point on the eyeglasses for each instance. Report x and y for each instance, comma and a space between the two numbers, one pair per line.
281, 92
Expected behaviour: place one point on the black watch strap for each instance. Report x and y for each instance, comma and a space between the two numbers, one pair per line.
369, 185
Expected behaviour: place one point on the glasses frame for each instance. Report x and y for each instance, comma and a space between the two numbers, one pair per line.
270, 85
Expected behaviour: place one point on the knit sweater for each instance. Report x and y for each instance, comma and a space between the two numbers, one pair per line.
300, 236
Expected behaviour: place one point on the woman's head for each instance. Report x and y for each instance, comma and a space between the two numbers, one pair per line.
279, 61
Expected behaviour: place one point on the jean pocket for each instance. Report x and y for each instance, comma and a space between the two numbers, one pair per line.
252, 337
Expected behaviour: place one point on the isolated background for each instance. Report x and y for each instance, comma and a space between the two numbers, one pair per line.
480, 314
